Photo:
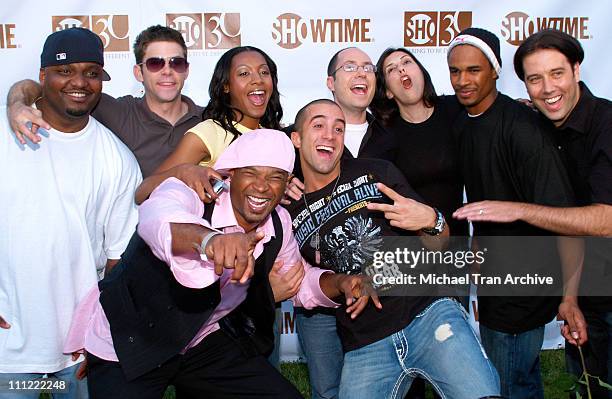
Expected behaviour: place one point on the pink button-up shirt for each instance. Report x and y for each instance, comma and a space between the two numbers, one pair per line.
174, 202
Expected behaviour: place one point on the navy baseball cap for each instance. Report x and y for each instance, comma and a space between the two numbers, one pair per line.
73, 45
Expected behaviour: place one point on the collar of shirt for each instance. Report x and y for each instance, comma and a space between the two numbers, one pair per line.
193, 111
581, 116
223, 218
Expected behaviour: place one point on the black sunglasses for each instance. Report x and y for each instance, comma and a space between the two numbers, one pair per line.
156, 64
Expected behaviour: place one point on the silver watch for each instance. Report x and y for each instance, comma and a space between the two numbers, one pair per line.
438, 226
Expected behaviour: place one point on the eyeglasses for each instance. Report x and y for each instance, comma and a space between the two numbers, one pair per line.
350, 67
156, 64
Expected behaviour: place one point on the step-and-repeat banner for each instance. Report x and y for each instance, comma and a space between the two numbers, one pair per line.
301, 36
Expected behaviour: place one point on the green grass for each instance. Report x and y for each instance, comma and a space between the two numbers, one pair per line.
556, 381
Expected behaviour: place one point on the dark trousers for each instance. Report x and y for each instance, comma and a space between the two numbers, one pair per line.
597, 353
215, 368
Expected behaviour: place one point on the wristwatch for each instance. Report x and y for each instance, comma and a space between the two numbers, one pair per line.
201, 248
438, 226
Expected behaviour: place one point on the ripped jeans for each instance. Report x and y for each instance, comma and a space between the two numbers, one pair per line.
439, 345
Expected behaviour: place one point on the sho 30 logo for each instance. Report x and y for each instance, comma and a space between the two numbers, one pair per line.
289, 30
517, 26
112, 29
209, 30
7, 36
434, 28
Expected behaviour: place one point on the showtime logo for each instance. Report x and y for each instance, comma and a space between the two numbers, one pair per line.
213, 30
434, 28
517, 26
7, 36
112, 29
289, 30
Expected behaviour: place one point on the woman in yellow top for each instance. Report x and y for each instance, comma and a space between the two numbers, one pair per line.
243, 96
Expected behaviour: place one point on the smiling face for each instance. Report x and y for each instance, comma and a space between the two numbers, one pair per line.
353, 91
255, 191
163, 86
404, 79
473, 78
250, 87
320, 142
552, 83
69, 93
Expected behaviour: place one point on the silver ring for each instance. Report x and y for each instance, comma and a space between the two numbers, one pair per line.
481, 212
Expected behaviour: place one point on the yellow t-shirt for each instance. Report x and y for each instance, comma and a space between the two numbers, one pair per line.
215, 138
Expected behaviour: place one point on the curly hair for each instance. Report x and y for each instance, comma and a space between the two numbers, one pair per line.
219, 106
385, 109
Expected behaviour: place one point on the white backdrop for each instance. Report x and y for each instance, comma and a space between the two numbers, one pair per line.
301, 37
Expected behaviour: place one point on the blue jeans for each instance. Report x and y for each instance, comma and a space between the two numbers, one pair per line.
597, 353
438, 345
323, 351
517, 360
274, 357
77, 389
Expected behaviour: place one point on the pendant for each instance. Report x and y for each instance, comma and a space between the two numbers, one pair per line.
317, 252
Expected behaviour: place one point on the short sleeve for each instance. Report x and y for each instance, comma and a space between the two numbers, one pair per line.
214, 138
123, 214
113, 113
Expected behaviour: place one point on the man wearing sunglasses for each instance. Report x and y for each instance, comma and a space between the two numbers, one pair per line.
152, 125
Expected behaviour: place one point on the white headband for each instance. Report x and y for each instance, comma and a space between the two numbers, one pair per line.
478, 43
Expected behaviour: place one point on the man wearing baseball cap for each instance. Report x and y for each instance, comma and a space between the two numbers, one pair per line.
210, 321
507, 153
72, 219
151, 125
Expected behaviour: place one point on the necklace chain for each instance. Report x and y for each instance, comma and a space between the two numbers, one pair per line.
317, 236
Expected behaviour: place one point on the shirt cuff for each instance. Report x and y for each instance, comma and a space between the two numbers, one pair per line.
310, 294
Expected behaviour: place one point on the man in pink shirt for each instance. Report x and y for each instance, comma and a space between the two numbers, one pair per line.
174, 310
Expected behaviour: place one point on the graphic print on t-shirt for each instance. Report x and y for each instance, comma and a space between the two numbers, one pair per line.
348, 235
352, 244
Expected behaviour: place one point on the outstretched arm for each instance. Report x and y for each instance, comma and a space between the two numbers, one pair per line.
171, 223
590, 220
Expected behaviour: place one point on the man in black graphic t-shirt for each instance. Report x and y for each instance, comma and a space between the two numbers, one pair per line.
348, 207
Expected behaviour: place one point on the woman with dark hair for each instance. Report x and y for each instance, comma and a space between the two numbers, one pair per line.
243, 96
419, 138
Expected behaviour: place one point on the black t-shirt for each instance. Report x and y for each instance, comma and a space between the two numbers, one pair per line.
586, 141
507, 154
426, 153
349, 234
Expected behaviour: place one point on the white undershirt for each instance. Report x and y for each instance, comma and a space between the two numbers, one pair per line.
67, 206
353, 136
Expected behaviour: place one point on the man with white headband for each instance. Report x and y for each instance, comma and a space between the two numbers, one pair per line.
507, 153
191, 304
